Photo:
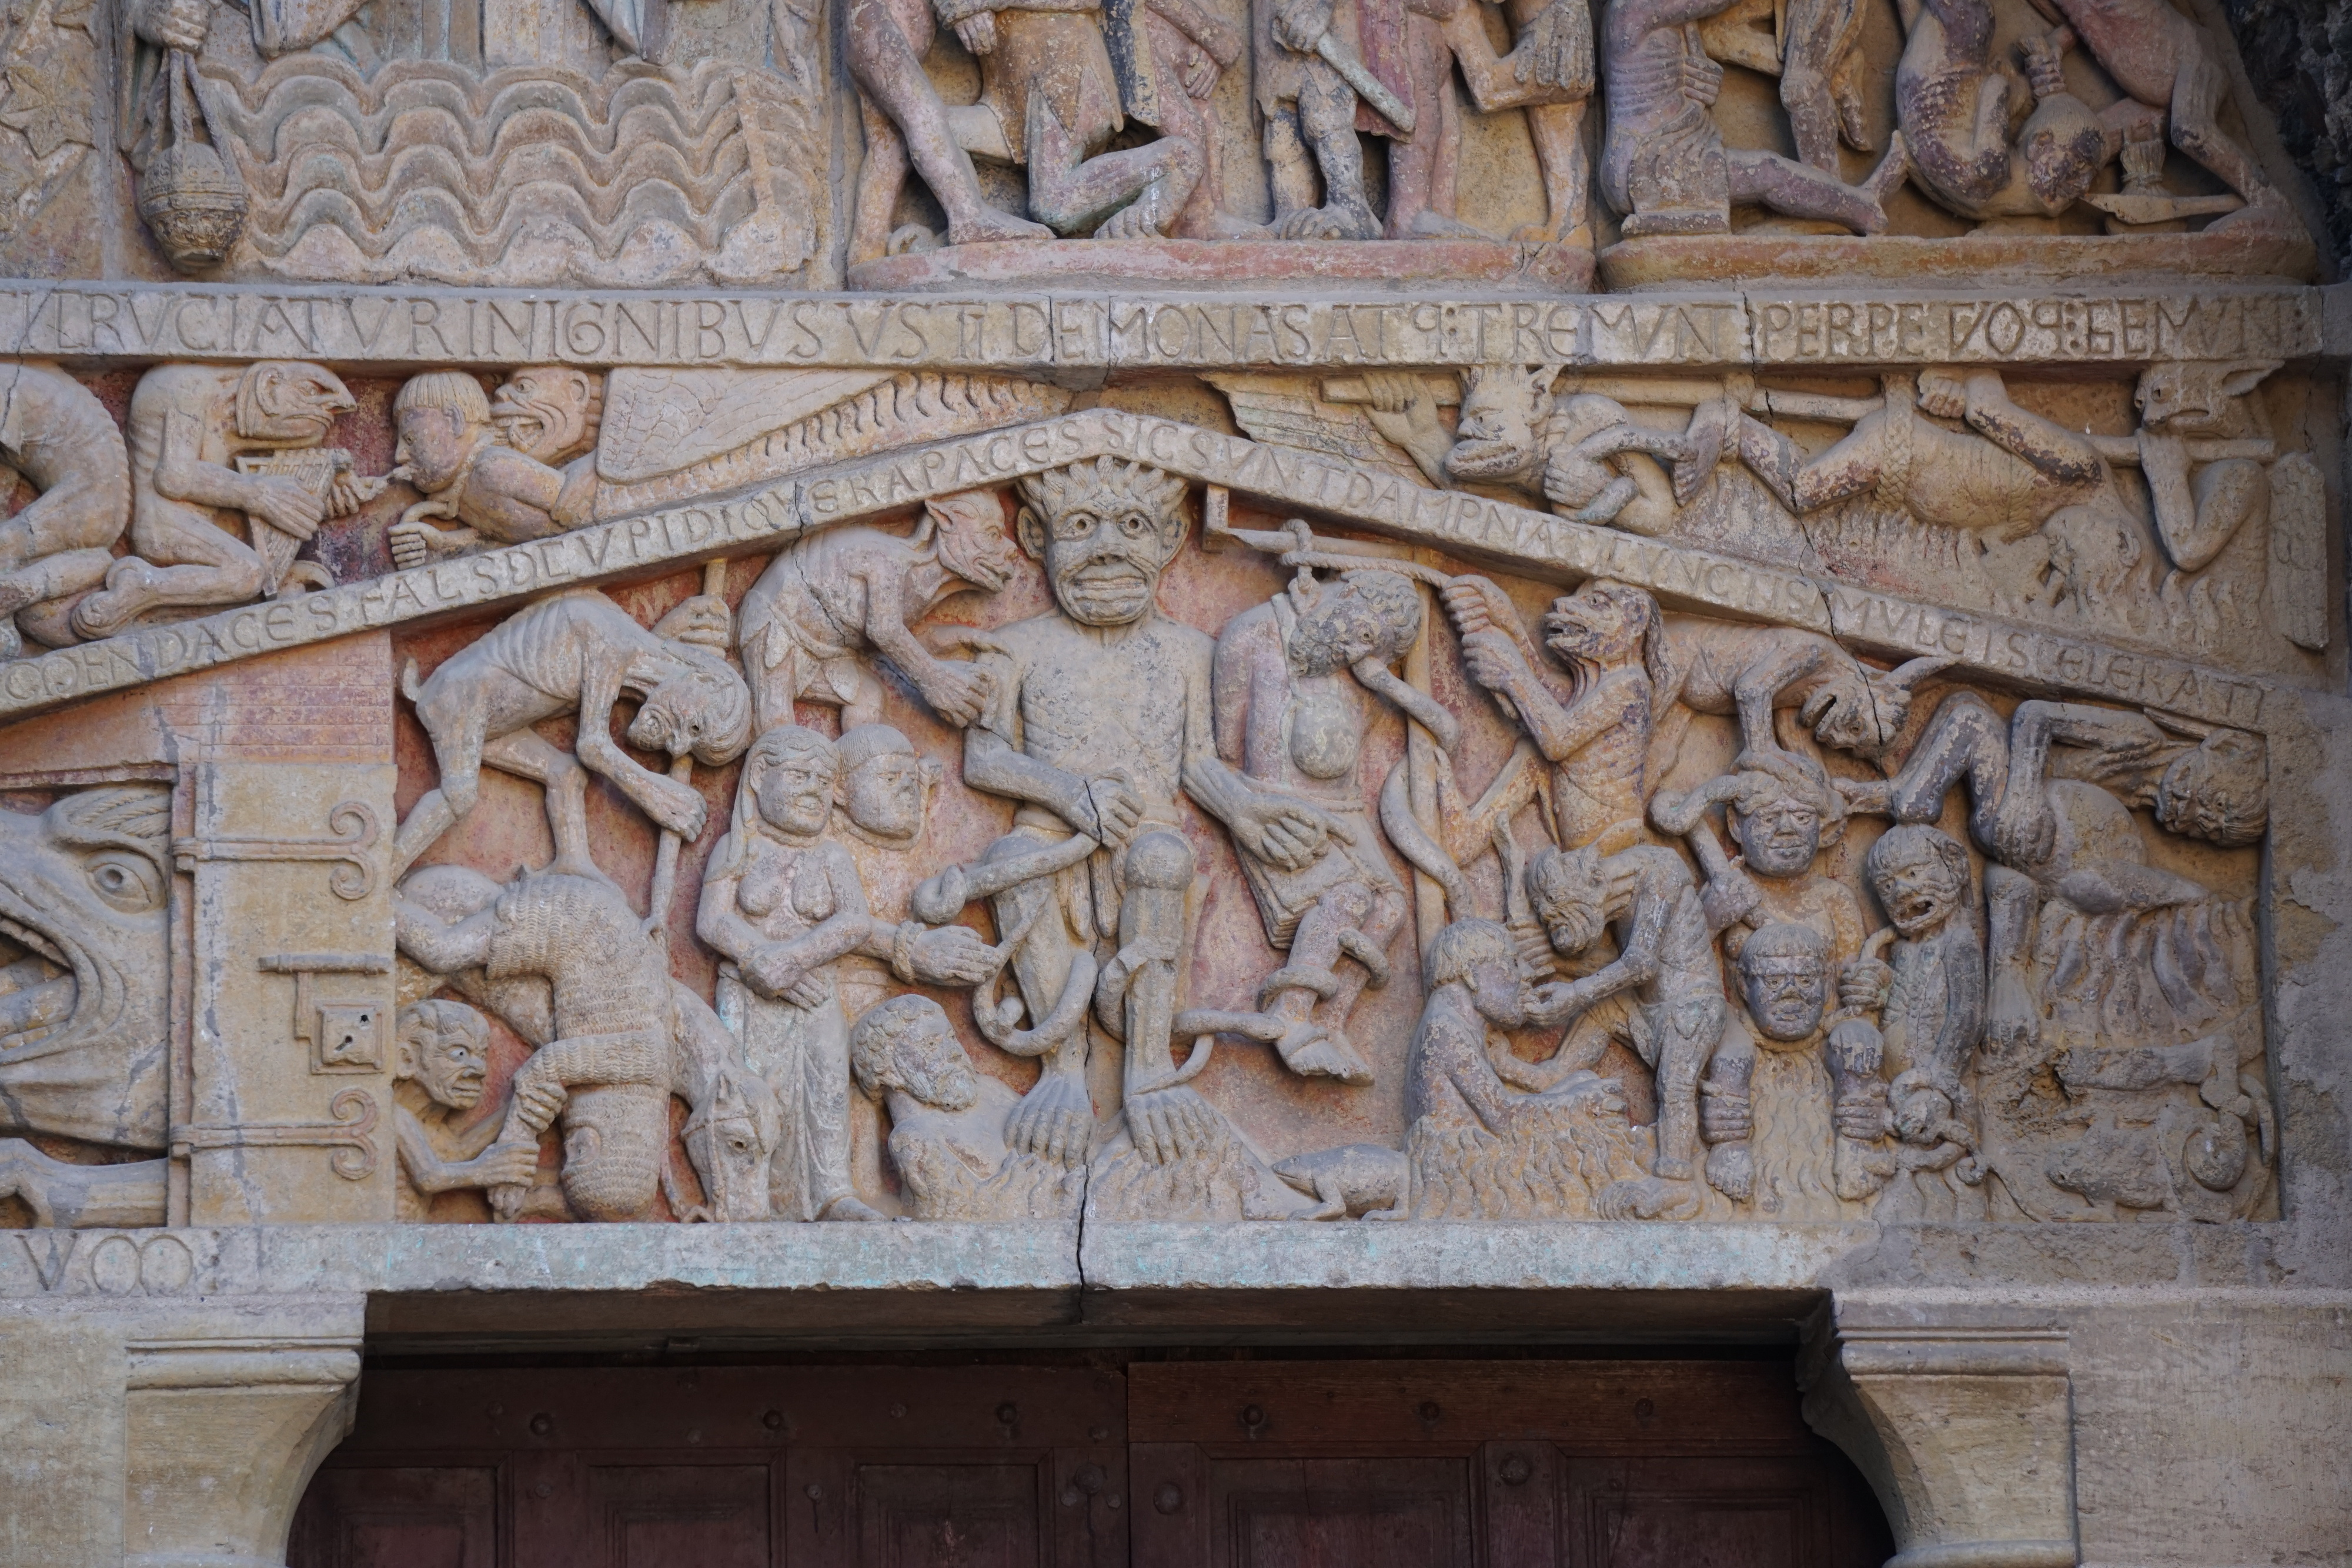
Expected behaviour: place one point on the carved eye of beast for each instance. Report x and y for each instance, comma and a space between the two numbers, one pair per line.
126, 881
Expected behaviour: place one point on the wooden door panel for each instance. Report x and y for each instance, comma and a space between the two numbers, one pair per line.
819, 1526
1339, 1513
1091, 1500
1657, 1406
949, 1516
1522, 1497
407, 1516
1698, 1513
678, 1516
1171, 1504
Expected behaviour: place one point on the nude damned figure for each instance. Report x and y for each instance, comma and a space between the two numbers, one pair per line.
576, 652
1664, 163
1976, 144
56, 433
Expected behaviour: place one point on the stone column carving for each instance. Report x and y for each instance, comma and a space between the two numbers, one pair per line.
222, 1431
1961, 1420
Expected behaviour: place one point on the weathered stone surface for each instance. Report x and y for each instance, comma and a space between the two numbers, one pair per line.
1077, 333
1556, 738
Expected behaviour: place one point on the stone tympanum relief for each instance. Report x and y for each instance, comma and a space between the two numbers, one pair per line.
1198, 144
1256, 840
1002, 810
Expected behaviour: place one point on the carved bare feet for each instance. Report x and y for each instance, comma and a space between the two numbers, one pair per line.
1731, 1171
986, 226
1337, 222
133, 588
1710, 427
1313, 1050
1146, 217
1885, 180
1865, 797
1649, 1198
1168, 1124
1054, 1121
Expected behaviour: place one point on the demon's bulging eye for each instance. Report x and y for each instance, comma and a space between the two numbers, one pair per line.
126, 882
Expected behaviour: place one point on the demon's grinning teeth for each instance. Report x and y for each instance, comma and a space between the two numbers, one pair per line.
25, 936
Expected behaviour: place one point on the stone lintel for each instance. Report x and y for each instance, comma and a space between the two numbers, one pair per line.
1062, 334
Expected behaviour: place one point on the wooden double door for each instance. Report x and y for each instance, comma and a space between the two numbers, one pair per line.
1253, 1463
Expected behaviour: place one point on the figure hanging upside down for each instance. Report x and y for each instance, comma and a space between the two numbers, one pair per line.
60, 437
1960, 114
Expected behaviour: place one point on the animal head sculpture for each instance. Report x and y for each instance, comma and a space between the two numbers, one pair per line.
84, 888
288, 402
2185, 395
1606, 625
1573, 890
702, 706
1861, 710
1495, 440
729, 1138
550, 413
968, 529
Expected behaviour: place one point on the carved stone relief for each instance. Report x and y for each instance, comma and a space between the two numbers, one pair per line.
620, 144
1601, 1027
1192, 143
1513, 791
50, 64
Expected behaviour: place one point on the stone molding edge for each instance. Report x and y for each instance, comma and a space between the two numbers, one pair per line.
1078, 337
96, 1268
1988, 1555
1537, 543
1964, 1430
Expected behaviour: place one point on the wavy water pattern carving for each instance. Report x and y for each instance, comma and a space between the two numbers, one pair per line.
530, 175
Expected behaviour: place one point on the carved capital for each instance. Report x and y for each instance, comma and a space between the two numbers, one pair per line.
1964, 1430
223, 1434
